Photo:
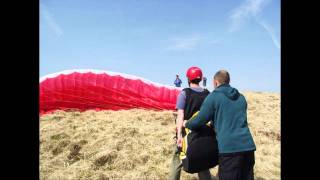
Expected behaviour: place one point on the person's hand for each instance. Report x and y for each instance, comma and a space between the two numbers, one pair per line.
179, 142
184, 123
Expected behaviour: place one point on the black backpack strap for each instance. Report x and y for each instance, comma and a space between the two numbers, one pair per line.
187, 91
207, 91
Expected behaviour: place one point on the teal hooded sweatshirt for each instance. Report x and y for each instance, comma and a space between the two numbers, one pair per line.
227, 109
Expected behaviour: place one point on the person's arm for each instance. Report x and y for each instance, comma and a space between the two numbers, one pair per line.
181, 100
180, 119
205, 115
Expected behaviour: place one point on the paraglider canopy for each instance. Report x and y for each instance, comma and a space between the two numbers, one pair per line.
95, 89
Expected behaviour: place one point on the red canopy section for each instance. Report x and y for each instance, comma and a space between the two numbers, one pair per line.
99, 90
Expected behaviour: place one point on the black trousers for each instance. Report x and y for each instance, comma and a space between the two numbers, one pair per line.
236, 166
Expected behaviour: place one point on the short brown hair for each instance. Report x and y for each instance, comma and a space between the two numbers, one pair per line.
196, 81
222, 76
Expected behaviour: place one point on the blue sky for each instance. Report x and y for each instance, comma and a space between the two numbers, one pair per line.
156, 39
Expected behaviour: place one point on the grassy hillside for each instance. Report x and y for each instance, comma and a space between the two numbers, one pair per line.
138, 144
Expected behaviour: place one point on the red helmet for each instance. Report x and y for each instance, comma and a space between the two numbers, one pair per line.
194, 73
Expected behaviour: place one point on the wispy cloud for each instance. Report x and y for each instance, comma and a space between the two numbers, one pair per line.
184, 43
271, 33
191, 42
248, 10
49, 19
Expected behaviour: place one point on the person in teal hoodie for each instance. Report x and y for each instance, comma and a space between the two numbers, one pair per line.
226, 108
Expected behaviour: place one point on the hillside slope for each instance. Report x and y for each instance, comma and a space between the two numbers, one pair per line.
138, 144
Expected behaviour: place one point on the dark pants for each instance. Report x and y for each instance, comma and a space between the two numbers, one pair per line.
176, 167
236, 166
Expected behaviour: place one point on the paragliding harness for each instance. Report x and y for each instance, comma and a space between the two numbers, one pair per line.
199, 149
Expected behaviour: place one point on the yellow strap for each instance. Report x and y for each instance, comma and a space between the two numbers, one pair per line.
185, 138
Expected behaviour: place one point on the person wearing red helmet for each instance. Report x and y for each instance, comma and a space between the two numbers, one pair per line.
188, 102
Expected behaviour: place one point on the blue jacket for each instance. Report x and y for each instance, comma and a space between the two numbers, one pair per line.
227, 108
178, 82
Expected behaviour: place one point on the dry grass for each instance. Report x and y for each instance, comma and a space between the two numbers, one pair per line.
138, 144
